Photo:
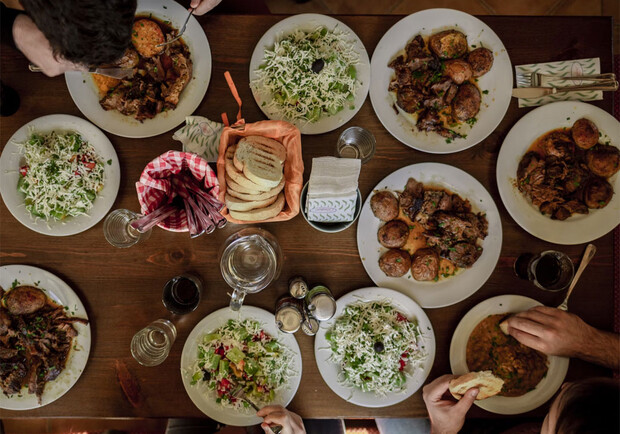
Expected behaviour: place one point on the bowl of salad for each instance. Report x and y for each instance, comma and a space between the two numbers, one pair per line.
228, 351
377, 350
60, 175
310, 70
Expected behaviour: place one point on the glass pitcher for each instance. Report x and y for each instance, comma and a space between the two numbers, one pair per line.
250, 260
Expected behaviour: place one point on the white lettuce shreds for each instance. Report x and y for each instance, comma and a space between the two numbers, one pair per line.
61, 176
297, 92
375, 346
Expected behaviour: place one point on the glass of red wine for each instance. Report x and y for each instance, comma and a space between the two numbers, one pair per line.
182, 294
550, 270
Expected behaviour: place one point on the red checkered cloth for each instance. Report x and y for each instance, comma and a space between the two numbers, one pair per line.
154, 188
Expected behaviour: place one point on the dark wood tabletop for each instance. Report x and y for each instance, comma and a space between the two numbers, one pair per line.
121, 288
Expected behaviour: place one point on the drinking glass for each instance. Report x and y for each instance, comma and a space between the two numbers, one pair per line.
118, 231
182, 294
550, 270
356, 142
151, 345
250, 260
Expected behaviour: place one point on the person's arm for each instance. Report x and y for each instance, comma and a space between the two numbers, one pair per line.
559, 333
447, 415
201, 7
290, 422
12, 4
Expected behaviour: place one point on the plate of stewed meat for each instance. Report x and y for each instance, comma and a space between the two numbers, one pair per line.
163, 83
430, 231
441, 80
480, 343
557, 172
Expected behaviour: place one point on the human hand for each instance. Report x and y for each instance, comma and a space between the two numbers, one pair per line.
447, 416
551, 331
201, 7
35, 46
290, 422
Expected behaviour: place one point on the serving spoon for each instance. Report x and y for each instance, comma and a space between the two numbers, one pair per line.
585, 260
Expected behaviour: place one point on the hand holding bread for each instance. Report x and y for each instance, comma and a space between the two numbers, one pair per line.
487, 384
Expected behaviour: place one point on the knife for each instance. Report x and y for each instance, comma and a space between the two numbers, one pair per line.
537, 92
118, 73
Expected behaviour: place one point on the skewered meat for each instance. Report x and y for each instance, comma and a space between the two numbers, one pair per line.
384, 205
465, 254
393, 234
24, 300
603, 160
395, 263
458, 70
585, 133
481, 61
597, 193
448, 44
466, 103
425, 265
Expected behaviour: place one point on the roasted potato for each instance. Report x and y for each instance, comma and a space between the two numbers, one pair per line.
480, 60
604, 160
145, 36
449, 44
466, 103
24, 300
458, 70
585, 133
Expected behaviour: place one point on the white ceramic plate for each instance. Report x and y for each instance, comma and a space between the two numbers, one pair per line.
558, 366
12, 159
86, 96
579, 228
498, 81
309, 22
446, 291
201, 395
62, 294
330, 371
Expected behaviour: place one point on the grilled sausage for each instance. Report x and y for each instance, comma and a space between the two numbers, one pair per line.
425, 265
480, 60
585, 133
448, 44
395, 263
393, 234
384, 205
466, 103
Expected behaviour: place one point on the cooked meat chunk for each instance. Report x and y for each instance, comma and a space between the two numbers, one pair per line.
393, 234
409, 99
466, 103
441, 87
557, 145
585, 133
129, 60
481, 61
384, 205
449, 44
465, 254
597, 193
183, 70
569, 208
575, 179
412, 198
415, 48
145, 36
425, 265
432, 199
429, 121
467, 226
395, 263
458, 70
603, 160
24, 300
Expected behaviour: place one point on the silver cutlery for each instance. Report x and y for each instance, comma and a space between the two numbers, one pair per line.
537, 92
239, 393
118, 73
191, 10
537, 79
585, 260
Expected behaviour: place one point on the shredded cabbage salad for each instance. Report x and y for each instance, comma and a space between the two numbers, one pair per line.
309, 75
240, 353
61, 176
376, 347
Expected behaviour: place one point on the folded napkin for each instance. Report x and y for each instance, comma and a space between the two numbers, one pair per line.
200, 136
332, 189
563, 68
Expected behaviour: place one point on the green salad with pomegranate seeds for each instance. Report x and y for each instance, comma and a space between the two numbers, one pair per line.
241, 354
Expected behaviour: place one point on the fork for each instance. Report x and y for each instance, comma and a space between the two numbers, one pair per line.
537, 79
191, 10
239, 393
585, 260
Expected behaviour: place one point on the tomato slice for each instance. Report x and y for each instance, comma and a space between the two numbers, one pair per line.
23, 171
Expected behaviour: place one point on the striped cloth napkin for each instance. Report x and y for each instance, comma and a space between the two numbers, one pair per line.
562, 68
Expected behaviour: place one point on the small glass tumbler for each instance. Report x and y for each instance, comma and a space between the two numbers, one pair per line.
118, 231
550, 270
182, 294
151, 345
356, 142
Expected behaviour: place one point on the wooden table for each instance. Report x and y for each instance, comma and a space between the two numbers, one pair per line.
121, 289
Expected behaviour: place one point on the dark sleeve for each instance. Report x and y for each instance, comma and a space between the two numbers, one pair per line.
7, 18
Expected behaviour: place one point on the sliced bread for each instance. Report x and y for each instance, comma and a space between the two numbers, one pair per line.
232, 185
261, 213
255, 196
488, 384
264, 146
238, 176
259, 166
236, 204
